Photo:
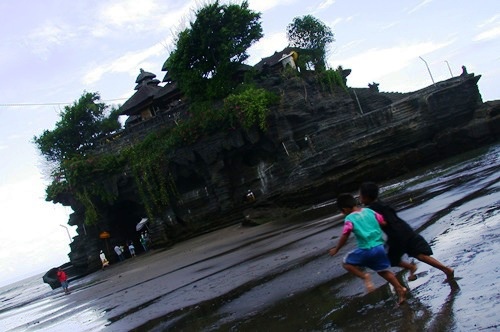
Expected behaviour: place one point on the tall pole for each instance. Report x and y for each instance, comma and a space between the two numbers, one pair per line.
432, 78
69, 236
448, 67
359, 105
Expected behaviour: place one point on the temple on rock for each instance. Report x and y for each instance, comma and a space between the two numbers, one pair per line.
319, 139
150, 100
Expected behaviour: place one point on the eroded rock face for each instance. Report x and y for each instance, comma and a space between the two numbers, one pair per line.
320, 142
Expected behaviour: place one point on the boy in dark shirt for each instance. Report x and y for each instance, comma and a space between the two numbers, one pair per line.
401, 238
365, 224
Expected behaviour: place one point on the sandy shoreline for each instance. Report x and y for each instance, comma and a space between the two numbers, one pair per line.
266, 277
161, 281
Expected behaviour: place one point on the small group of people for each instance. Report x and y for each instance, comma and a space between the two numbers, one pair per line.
120, 250
368, 224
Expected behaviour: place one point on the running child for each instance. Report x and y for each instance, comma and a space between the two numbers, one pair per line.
401, 238
365, 224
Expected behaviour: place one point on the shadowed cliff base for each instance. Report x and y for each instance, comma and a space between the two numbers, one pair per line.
317, 143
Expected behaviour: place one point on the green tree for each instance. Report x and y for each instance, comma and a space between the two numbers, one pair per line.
309, 33
208, 54
79, 128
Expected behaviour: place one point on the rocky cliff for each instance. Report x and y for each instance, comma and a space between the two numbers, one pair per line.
320, 141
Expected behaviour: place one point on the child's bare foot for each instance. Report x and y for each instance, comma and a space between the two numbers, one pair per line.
450, 274
412, 275
368, 283
401, 295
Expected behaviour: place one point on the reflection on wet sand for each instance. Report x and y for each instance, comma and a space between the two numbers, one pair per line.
444, 319
462, 209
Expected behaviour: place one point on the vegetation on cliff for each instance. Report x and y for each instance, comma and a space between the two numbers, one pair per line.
241, 110
309, 33
209, 53
218, 102
67, 147
80, 127
87, 176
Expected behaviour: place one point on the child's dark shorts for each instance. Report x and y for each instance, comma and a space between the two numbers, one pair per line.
415, 246
375, 258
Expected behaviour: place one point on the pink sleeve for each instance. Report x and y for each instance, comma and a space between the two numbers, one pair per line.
347, 228
379, 218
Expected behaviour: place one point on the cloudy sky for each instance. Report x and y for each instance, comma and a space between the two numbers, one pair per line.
54, 50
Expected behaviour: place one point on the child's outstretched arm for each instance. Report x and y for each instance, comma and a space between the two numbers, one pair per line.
340, 244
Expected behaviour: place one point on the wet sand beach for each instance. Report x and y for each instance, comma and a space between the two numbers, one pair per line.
279, 277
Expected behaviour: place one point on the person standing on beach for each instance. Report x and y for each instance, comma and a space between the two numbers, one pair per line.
365, 224
104, 260
144, 243
131, 249
63, 279
119, 253
401, 238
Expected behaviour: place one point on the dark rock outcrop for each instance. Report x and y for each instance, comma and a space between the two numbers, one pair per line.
319, 142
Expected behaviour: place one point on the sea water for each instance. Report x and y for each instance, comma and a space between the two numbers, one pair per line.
23, 295
23, 292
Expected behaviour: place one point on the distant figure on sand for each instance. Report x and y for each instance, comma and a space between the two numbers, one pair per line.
131, 249
365, 224
401, 238
144, 242
104, 260
119, 253
63, 279
250, 197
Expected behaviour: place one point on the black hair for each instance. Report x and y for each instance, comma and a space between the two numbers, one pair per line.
346, 201
369, 190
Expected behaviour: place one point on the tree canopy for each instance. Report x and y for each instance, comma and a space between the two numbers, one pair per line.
78, 129
209, 52
309, 33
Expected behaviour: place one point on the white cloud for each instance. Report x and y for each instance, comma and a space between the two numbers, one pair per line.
389, 25
15, 137
100, 31
490, 34
127, 63
340, 20
177, 19
325, 4
264, 5
344, 48
128, 12
140, 16
95, 74
491, 20
43, 38
420, 6
376, 63
3, 147
267, 46
492, 26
